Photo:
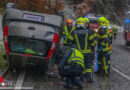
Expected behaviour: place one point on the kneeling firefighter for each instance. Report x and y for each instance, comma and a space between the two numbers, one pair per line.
84, 40
71, 68
104, 52
67, 32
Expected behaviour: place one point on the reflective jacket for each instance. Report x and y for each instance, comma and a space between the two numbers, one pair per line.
77, 57
115, 30
67, 33
73, 55
84, 39
104, 44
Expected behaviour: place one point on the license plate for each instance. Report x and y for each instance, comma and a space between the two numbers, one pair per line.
33, 17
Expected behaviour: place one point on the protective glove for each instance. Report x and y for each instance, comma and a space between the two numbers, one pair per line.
101, 49
64, 37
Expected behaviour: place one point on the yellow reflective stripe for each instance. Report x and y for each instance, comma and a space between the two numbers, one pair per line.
92, 36
88, 70
81, 64
76, 59
110, 51
70, 37
86, 41
98, 36
94, 43
92, 66
77, 41
65, 29
107, 45
104, 36
103, 44
65, 42
86, 51
105, 66
65, 33
73, 28
106, 49
109, 62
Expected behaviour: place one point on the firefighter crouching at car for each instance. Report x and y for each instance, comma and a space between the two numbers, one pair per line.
67, 32
84, 41
71, 68
104, 52
115, 31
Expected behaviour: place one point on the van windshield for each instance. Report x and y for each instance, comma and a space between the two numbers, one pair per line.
28, 46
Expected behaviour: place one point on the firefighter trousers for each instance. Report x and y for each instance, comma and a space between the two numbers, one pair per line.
103, 63
88, 65
71, 72
115, 35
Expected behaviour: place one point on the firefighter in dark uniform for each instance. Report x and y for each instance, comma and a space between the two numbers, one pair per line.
71, 67
104, 52
94, 35
67, 32
85, 42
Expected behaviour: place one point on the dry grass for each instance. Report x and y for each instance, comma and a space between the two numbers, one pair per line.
2, 10
3, 62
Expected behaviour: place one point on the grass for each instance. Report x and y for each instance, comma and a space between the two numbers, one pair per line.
2, 10
3, 62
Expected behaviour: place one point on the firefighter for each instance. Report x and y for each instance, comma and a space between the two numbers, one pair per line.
94, 35
103, 21
71, 67
104, 52
85, 42
115, 31
67, 32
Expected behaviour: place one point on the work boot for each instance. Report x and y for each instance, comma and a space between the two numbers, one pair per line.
89, 78
51, 74
68, 83
78, 82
